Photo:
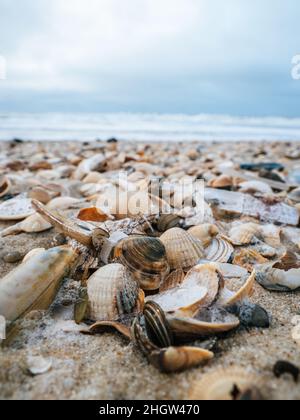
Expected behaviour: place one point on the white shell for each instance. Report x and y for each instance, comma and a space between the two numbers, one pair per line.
16, 209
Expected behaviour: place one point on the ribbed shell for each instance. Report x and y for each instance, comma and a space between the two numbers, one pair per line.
205, 233
183, 250
112, 293
219, 250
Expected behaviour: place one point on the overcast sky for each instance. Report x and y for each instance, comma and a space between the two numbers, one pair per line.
186, 56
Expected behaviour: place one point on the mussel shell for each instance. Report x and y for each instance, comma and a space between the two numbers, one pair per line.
145, 257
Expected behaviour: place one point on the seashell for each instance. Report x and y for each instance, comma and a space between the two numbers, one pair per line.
42, 194
33, 224
92, 164
220, 250
5, 185
107, 246
169, 359
71, 229
16, 209
92, 178
33, 253
295, 195
64, 203
244, 234
34, 283
183, 250
223, 181
248, 258
229, 297
210, 321
168, 221
278, 280
255, 187
174, 279
229, 271
93, 214
38, 365
205, 233
146, 259
271, 235
113, 294
223, 385
157, 325
107, 326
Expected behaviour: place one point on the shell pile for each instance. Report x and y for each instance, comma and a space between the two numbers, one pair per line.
164, 273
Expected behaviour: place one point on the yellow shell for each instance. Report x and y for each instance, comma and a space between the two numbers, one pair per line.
113, 294
146, 259
221, 384
183, 250
205, 233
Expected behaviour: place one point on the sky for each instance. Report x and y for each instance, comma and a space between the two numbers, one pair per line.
165, 56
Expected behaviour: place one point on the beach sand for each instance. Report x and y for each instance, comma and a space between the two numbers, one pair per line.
108, 367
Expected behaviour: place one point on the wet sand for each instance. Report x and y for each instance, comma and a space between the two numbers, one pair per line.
108, 367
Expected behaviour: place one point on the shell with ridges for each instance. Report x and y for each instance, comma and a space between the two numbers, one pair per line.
220, 250
183, 250
205, 233
113, 294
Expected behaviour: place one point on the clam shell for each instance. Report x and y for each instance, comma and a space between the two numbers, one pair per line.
5, 185
244, 234
208, 322
168, 221
113, 294
277, 280
44, 195
220, 384
220, 250
205, 233
183, 250
146, 259
228, 297
34, 283
16, 209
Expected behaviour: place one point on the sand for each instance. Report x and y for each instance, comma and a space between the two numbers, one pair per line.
109, 367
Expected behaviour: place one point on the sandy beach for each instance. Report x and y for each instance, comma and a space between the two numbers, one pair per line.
107, 366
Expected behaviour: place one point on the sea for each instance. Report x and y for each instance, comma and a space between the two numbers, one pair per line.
145, 127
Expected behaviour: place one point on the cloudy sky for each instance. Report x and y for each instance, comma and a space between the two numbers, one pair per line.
183, 56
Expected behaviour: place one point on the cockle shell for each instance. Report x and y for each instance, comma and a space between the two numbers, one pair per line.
183, 250
205, 233
229, 297
113, 294
33, 224
220, 250
244, 234
5, 185
16, 209
174, 279
222, 384
34, 283
255, 187
146, 259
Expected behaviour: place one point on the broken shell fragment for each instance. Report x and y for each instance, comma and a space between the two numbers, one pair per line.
16, 209
146, 259
33, 224
223, 385
183, 250
229, 297
34, 283
248, 259
276, 280
244, 234
93, 214
113, 295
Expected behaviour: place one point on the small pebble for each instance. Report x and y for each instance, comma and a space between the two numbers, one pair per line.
12, 257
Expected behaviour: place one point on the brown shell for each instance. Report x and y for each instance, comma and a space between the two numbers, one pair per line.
183, 250
248, 258
146, 259
113, 294
174, 279
220, 250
